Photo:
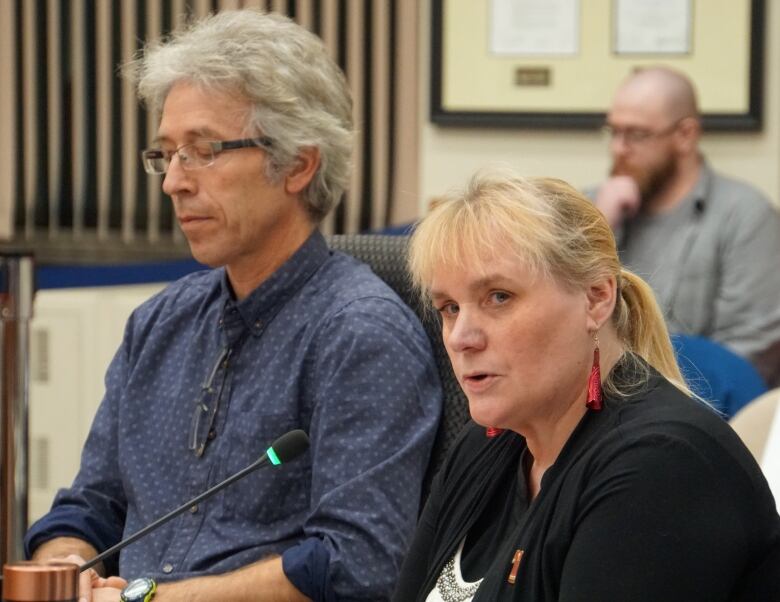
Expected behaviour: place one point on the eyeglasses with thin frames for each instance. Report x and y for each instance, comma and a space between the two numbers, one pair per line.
196, 155
207, 404
636, 136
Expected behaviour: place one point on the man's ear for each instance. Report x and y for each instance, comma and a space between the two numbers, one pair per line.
302, 172
601, 298
688, 134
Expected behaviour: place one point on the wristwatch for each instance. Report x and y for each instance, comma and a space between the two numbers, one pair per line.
139, 590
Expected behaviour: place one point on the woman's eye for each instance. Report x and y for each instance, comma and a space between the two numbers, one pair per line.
448, 309
499, 297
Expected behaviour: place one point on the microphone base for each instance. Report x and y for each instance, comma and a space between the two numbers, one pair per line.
40, 582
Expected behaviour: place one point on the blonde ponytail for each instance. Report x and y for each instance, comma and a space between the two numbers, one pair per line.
642, 329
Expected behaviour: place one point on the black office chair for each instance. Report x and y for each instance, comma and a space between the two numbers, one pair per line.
386, 255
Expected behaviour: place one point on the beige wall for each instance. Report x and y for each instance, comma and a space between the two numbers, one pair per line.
448, 155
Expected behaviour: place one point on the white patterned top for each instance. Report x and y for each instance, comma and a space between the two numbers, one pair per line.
450, 586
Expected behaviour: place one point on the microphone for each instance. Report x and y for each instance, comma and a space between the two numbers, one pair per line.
287, 447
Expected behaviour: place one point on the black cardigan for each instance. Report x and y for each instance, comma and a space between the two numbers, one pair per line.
653, 498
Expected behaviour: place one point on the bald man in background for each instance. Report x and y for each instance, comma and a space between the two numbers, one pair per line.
708, 245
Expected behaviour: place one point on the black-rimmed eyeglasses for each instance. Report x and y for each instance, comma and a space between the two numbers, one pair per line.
196, 155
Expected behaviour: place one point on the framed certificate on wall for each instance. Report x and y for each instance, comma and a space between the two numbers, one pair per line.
556, 63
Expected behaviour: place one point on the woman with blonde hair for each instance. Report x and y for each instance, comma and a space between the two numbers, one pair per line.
589, 472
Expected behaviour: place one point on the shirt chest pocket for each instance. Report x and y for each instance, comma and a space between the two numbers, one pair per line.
695, 296
272, 492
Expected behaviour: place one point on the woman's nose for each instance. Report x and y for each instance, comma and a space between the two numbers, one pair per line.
465, 333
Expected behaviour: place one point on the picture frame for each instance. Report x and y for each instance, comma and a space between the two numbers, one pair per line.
472, 87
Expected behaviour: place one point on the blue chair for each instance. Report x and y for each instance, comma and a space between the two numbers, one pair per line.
717, 374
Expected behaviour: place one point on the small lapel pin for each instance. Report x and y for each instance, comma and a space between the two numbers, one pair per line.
515, 566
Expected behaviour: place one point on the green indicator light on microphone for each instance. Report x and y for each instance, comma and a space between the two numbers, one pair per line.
272, 456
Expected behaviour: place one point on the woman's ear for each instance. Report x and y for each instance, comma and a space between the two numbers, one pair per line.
601, 296
302, 172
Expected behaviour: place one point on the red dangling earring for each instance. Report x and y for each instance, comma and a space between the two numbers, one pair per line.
594, 381
492, 431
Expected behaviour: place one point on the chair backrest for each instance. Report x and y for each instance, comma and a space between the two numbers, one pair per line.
386, 255
754, 422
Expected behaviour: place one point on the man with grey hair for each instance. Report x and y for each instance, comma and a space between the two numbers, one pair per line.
254, 143
707, 244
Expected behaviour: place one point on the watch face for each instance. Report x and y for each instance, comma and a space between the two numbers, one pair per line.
137, 589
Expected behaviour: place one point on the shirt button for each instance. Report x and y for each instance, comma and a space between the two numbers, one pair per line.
167, 568
212, 434
258, 324
193, 509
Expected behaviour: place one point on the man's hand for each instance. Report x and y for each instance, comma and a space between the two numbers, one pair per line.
106, 594
91, 585
77, 551
60, 548
94, 588
618, 199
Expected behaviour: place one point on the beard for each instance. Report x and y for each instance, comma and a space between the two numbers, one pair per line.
650, 180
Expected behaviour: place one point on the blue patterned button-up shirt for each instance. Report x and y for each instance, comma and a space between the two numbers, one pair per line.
322, 345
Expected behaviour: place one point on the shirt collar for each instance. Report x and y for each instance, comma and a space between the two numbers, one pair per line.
261, 305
